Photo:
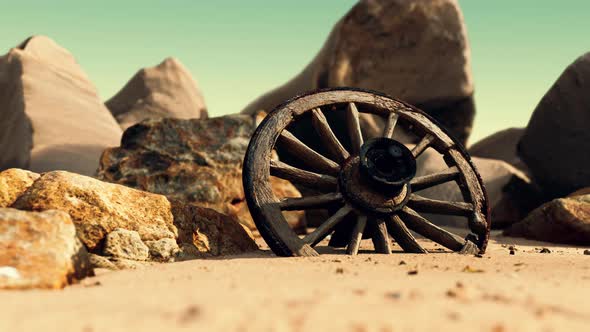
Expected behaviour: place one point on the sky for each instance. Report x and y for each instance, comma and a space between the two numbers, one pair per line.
238, 50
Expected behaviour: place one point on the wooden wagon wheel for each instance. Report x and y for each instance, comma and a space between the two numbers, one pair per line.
373, 181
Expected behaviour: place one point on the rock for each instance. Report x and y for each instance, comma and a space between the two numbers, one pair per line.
518, 198
195, 161
101, 262
98, 208
204, 231
40, 250
13, 183
556, 141
164, 91
125, 244
583, 191
500, 146
496, 176
163, 249
129, 264
563, 220
49, 106
416, 51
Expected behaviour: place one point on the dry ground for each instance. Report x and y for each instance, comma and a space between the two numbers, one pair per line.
527, 291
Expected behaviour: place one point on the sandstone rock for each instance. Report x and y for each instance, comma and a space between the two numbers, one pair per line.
206, 231
556, 142
40, 250
500, 146
101, 262
13, 183
163, 249
563, 220
195, 161
50, 114
164, 91
416, 51
98, 208
583, 191
125, 244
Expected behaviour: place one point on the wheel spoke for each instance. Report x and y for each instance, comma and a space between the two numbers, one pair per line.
357, 236
390, 125
431, 180
327, 136
427, 205
422, 145
307, 155
308, 179
310, 202
402, 236
381, 238
354, 128
324, 229
422, 226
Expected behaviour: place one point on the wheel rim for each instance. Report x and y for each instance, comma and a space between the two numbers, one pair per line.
327, 174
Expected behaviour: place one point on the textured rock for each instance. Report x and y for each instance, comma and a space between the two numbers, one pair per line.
195, 161
500, 146
13, 183
97, 208
125, 244
563, 220
206, 231
163, 249
556, 142
40, 250
164, 91
101, 262
49, 106
416, 51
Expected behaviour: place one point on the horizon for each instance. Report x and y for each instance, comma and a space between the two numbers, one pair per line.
237, 51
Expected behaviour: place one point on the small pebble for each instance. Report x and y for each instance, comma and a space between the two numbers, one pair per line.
404, 263
339, 270
412, 272
545, 251
586, 252
512, 252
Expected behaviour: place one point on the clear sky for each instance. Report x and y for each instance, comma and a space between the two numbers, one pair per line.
239, 49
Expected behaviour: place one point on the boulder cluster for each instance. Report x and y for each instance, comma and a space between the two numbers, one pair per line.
147, 177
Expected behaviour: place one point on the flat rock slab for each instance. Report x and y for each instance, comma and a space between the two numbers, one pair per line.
40, 250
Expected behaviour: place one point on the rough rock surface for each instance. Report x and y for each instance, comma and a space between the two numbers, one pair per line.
500, 146
563, 220
98, 208
166, 90
203, 231
556, 142
195, 161
416, 51
40, 250
13, 183
163, 249
49, 106
125, 244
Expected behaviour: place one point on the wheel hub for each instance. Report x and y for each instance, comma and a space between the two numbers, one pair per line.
377, 180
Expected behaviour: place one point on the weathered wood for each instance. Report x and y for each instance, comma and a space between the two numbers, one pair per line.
427, 205
422, 145
381, 240
325, 228
357, 236
310, 202
331, 142
308, 179
431, 180
422, 226
403, 236
390, 125
308, 156
354, 128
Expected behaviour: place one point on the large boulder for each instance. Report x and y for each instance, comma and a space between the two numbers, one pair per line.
40, 250
51, 117
13, 183
500, 146
556, 142
416, 51
563, 220
195, 161
164, 91
97, 208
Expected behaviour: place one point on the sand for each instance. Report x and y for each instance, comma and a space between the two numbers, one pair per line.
527, 291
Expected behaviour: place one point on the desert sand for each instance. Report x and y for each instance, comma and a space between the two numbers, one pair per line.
527, 291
